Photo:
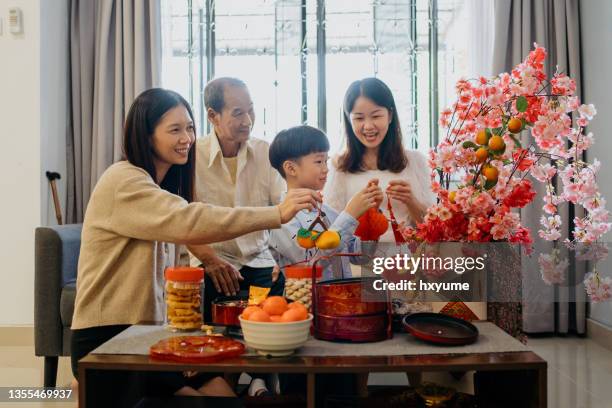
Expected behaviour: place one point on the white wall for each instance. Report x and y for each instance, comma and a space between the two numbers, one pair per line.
32, 133
596, 23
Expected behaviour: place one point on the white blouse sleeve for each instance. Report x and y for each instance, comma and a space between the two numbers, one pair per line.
420, 169
334, 193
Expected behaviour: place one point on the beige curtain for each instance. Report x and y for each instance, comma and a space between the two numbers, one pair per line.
555, 25
115, 53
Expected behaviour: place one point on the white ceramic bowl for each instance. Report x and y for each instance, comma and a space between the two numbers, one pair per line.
275, 339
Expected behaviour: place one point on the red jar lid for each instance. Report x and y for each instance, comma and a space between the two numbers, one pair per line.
184, 274
302, 271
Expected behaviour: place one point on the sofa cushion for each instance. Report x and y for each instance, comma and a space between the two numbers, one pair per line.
70, 236
67, 304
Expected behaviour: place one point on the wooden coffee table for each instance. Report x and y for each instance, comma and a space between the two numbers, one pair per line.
519, 377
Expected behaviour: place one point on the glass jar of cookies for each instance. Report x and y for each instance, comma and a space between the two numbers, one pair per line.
183, 290
298, 282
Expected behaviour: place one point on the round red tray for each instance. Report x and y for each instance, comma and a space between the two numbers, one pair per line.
196, 349
440, 329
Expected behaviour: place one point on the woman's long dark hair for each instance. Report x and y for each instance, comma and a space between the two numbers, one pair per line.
391, 155
144, 115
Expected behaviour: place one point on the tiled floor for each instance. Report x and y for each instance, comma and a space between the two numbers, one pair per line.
579, 374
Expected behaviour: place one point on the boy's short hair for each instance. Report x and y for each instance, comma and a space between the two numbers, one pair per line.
295, 143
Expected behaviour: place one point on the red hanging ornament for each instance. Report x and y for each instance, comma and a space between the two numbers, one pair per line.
372, 224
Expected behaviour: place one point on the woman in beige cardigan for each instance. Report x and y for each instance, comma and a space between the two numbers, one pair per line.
137, 206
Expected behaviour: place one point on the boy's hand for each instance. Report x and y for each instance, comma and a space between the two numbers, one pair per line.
369, 197
296, 200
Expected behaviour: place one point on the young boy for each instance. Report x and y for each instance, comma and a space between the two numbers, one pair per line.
299, 154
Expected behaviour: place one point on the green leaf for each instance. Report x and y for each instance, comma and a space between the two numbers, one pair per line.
469, 145
498, 131
521, 104
304, 233
516, 141
488, 132
490, 184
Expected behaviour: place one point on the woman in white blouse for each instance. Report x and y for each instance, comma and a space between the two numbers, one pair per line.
374, 150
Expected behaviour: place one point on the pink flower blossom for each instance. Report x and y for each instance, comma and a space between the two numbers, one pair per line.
599, 289
552, 268
587, 111
543, 172
551, 231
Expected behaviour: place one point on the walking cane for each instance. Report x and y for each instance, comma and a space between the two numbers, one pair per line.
52, 176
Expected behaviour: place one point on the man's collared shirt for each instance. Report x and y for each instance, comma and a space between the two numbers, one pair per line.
257, 184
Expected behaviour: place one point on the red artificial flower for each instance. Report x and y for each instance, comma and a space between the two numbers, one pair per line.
525, 161
457, 226
431, 231
523, 236
521, 195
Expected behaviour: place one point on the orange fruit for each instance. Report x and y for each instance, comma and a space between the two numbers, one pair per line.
292, 315
491, 173
246, 313
481, 137
274, 305
275, 319
295, 304
259, 316
496, 143
451, 196
301, 308
482, 154
515, 125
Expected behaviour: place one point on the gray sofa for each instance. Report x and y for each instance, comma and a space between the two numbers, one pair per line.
56, 253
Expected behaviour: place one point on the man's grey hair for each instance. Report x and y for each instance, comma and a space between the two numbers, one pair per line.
213, 93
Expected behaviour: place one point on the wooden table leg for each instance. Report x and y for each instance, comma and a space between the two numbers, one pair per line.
310, 390
414, 379
81, 396
543, 387
362, 384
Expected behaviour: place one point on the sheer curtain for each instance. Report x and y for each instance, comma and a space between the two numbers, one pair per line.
115, 53
481, 37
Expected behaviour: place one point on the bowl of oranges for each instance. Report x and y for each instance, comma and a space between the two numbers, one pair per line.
276, 327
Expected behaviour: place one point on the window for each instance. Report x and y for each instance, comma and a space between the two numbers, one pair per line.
298, 56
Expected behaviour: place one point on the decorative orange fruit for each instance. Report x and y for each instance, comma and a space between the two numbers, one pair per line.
481, 137
275, 319
259, 316
451, 196
482, 154
496, 143
246, 313
515, 125
274, 305
305, 239
328, 240
491, 173
292, 315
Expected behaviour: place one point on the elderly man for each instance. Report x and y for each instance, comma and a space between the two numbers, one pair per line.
232, 169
